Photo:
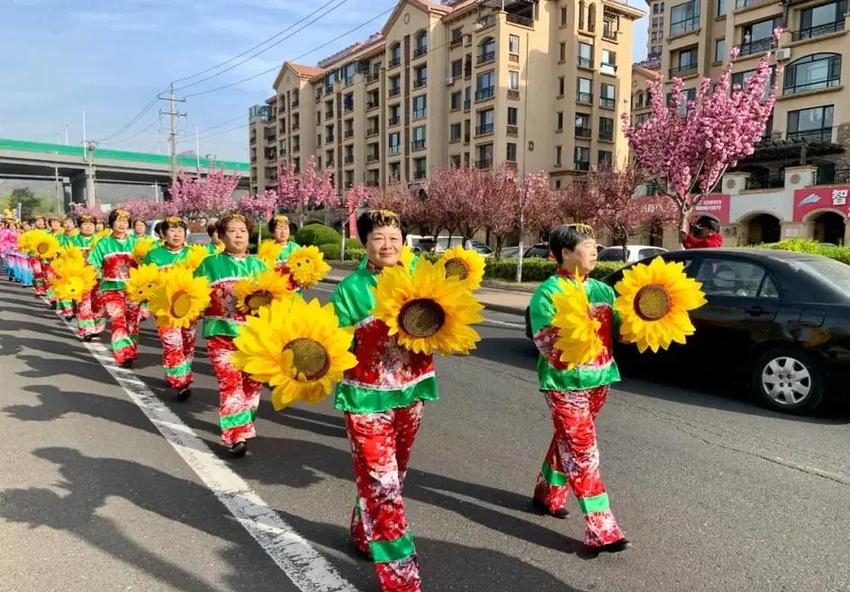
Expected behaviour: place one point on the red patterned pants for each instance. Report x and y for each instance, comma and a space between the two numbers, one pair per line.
573, 462
90, 319
123, 318
39, 283
239, 396
380, 446
178, 351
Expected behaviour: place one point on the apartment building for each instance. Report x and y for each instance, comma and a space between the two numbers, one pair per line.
796, 183
655, 26
540, 85
642, 74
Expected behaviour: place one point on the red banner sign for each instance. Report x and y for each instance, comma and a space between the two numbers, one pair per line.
717, 205
809, 200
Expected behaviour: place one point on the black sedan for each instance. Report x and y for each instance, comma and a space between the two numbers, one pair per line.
781, 317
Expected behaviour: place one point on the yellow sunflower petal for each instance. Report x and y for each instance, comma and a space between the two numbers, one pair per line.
307, 266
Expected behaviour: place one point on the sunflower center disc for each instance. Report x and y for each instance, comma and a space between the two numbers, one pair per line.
180, 305
421, 318
652, 302
457, 268
259, 299
42, 249
309, 358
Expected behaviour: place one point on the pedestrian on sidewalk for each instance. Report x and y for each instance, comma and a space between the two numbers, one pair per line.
239, 396
576, 396
112, 257
178, 344
703, 234
382, 399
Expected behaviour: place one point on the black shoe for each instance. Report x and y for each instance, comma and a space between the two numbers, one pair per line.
239, 449
615, 547
88, 338
69, 318
127, 363
544, 510
183, 394
53, 306
361, 554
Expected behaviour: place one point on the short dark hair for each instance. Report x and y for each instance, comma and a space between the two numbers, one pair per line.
115, 214
85, 218
221, 225
707, 223
278, 219
369, 221
568, 237
211, 229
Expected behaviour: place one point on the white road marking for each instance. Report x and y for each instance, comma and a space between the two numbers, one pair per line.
302, 564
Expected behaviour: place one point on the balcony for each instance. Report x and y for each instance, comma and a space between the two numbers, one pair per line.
295, 104
349, 133
349, 107
394, 63
584, 97
296, 148
371, 132
585, 63
484, 130
419, 114
395, 91
512, 130
684, 26
370, 158
394, 120
583, 132
683, 71
819, 31
486, 57
809, 86
606, 136
513, 95
484, 163
813, 135
609, 35
607, 103
296, 126
765, 182
330, 138
420, 51
349, 159
482, 94
739, 4
394, 149
417, 145
420, 82
456, 40
373, 77
467, 71
520, 20
486, 21
466, 105
329, 114
372, 105
757, 46
581, 165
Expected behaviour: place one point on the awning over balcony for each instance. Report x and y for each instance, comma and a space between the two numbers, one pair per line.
798, 150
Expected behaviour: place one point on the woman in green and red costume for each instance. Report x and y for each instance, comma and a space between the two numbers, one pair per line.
576, 396
67, 239
280, 231
112, 257
178, 344
382, 398
89, 310
239, 396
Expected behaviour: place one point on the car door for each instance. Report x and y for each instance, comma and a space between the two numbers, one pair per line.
742, 302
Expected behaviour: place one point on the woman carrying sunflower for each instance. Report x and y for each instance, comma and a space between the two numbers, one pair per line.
239, 396
39, 281
576, 392
112, 257
66, 239
90, 319
382, 398
280, 247
178, 344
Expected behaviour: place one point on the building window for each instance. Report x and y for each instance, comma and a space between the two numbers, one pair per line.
457, 36
719, 50
604, 159
395, 170
606, 129
822, 20
394, 143
456, 100
513, 80
395, 85
485, 122
684, 17
511, 152
488, 50
591, 18
421, 43
721, 7
485, 86
562, 52
758, 37
419, 107
813, 72
585, 55
582, 158
563, 16
561, 85
582, 128
609, 96
687, 62
558, 151
639, 99
418, 137
395, 55
457, 68
395, 115
740, 79
485, 156
513, 115
420, 169
513, 44
420, 76
454, 132
559, 121
584, 92
609, 62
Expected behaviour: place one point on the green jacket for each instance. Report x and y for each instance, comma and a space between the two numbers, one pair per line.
163, 257
113, 258
223, 272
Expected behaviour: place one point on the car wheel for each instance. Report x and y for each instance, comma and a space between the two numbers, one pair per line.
789, 380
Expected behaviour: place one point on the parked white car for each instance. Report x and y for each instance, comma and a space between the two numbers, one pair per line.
481, 248
633, 253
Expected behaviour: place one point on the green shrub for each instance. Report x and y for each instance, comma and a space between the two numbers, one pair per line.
353, 243
317, 234
331, 252
354, 254
800, 245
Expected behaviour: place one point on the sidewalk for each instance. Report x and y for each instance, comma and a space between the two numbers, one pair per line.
509, 301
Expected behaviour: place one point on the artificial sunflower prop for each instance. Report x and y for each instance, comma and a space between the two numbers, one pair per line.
180, 298
578, 337
44, 245
297, 348
653, 303
69, 258
268, 252
195, 256
75, 280
142, 248
25, 240
464, 264
307, 266
143, 282
253, 293
429, 312
407, 257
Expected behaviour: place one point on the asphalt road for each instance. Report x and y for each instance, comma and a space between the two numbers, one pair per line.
715, 493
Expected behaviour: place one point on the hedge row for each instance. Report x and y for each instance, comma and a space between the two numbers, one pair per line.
800, 245
331, 251
537, 269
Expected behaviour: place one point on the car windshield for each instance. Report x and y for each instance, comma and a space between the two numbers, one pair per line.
829, 271
611, 254
443, 242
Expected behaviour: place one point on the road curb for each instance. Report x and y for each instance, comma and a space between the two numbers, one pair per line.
495, 307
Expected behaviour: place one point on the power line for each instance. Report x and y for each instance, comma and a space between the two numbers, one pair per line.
221, 133
260, 44
315, 49
137, 134
303, 26
223, 123
150, 105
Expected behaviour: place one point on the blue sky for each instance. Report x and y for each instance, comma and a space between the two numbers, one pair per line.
112, 57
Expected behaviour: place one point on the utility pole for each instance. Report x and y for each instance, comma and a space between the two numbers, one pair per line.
88, 149
197, 152
173, 114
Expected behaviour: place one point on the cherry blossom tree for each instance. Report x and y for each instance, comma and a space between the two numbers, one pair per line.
354, 199
456, 200
311, 188
686, 146
260, 207
141, 209
192, 196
